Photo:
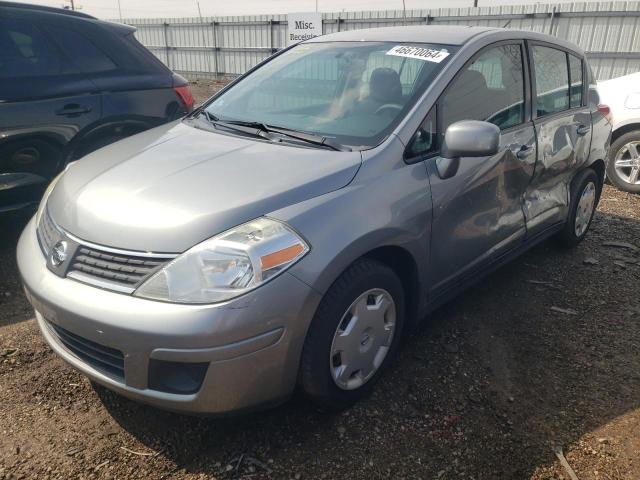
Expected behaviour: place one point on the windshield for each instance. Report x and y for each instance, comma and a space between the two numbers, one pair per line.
354, 93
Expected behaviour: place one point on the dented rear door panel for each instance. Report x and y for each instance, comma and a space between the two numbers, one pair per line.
564, 141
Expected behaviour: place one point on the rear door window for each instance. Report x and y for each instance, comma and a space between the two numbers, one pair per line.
552, 80
26, 52
491, 89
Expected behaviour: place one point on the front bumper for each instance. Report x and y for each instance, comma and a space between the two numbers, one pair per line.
252, 344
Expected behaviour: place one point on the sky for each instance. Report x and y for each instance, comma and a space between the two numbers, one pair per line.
108, 9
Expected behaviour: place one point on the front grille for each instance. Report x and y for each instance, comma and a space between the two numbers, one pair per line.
112, 269
125, 270
106, 359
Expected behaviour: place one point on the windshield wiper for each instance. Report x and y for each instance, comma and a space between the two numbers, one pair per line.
296, 134
259, 129
209, 116
238, 127
287, 132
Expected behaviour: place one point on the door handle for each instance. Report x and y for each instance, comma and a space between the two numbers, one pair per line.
524, 152
73, 110
582, 130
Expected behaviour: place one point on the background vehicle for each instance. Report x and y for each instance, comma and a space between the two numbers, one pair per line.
622, 94
70, 84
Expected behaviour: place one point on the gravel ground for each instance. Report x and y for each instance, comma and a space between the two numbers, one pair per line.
544, 353
484, 389
203, 89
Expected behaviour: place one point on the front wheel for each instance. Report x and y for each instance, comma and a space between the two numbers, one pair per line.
353, 335
585, 193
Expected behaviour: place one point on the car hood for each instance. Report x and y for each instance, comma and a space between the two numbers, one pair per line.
174, 186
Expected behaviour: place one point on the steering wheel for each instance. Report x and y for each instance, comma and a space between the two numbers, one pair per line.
390, 107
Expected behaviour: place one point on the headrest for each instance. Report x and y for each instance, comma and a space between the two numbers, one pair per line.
385, 86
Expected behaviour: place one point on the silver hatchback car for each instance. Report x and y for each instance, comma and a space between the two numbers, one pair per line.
287, 232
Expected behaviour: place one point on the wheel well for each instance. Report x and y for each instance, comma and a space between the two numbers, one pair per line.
403, 264
52, 160
51, 140
101, 136
600, 168
625, 129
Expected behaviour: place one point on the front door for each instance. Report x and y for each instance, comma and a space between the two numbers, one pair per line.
477, 213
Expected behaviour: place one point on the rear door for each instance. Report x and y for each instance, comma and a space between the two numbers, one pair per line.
44, 104
563, 126
478, 212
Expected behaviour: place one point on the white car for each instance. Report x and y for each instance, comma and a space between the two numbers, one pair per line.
622, 95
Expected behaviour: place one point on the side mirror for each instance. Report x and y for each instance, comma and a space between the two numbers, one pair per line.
467, 138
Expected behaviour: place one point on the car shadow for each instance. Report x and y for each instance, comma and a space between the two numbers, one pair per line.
538, 354
14, 307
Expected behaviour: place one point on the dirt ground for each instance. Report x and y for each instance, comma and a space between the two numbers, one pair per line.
544, 353
203, 89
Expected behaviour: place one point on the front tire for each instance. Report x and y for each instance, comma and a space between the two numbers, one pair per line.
623, 167
353, 335
585, 193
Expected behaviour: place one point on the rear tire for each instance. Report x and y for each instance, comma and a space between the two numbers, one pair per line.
345, 351
31, 155
620, 153
585, 193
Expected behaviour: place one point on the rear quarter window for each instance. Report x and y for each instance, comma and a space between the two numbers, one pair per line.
575, 70
593, 96
86, 56
135, 57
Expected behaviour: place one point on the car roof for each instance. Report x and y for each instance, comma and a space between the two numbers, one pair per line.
28, 10
43, 8
442, 34
446, 34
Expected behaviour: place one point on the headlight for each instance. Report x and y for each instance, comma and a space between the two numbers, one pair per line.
45, 197
227, 265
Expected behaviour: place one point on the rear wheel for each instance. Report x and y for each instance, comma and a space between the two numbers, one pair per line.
623, 167
585, 193
353, 335
31, 155
27, 166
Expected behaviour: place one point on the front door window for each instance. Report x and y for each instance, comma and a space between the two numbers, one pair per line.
491, 89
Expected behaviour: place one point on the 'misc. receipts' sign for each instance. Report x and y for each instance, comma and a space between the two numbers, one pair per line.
303, 26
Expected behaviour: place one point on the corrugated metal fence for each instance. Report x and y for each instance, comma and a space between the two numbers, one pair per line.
608, 31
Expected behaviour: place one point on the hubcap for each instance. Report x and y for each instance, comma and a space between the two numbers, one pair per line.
585, 208
362, 339
627, 163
